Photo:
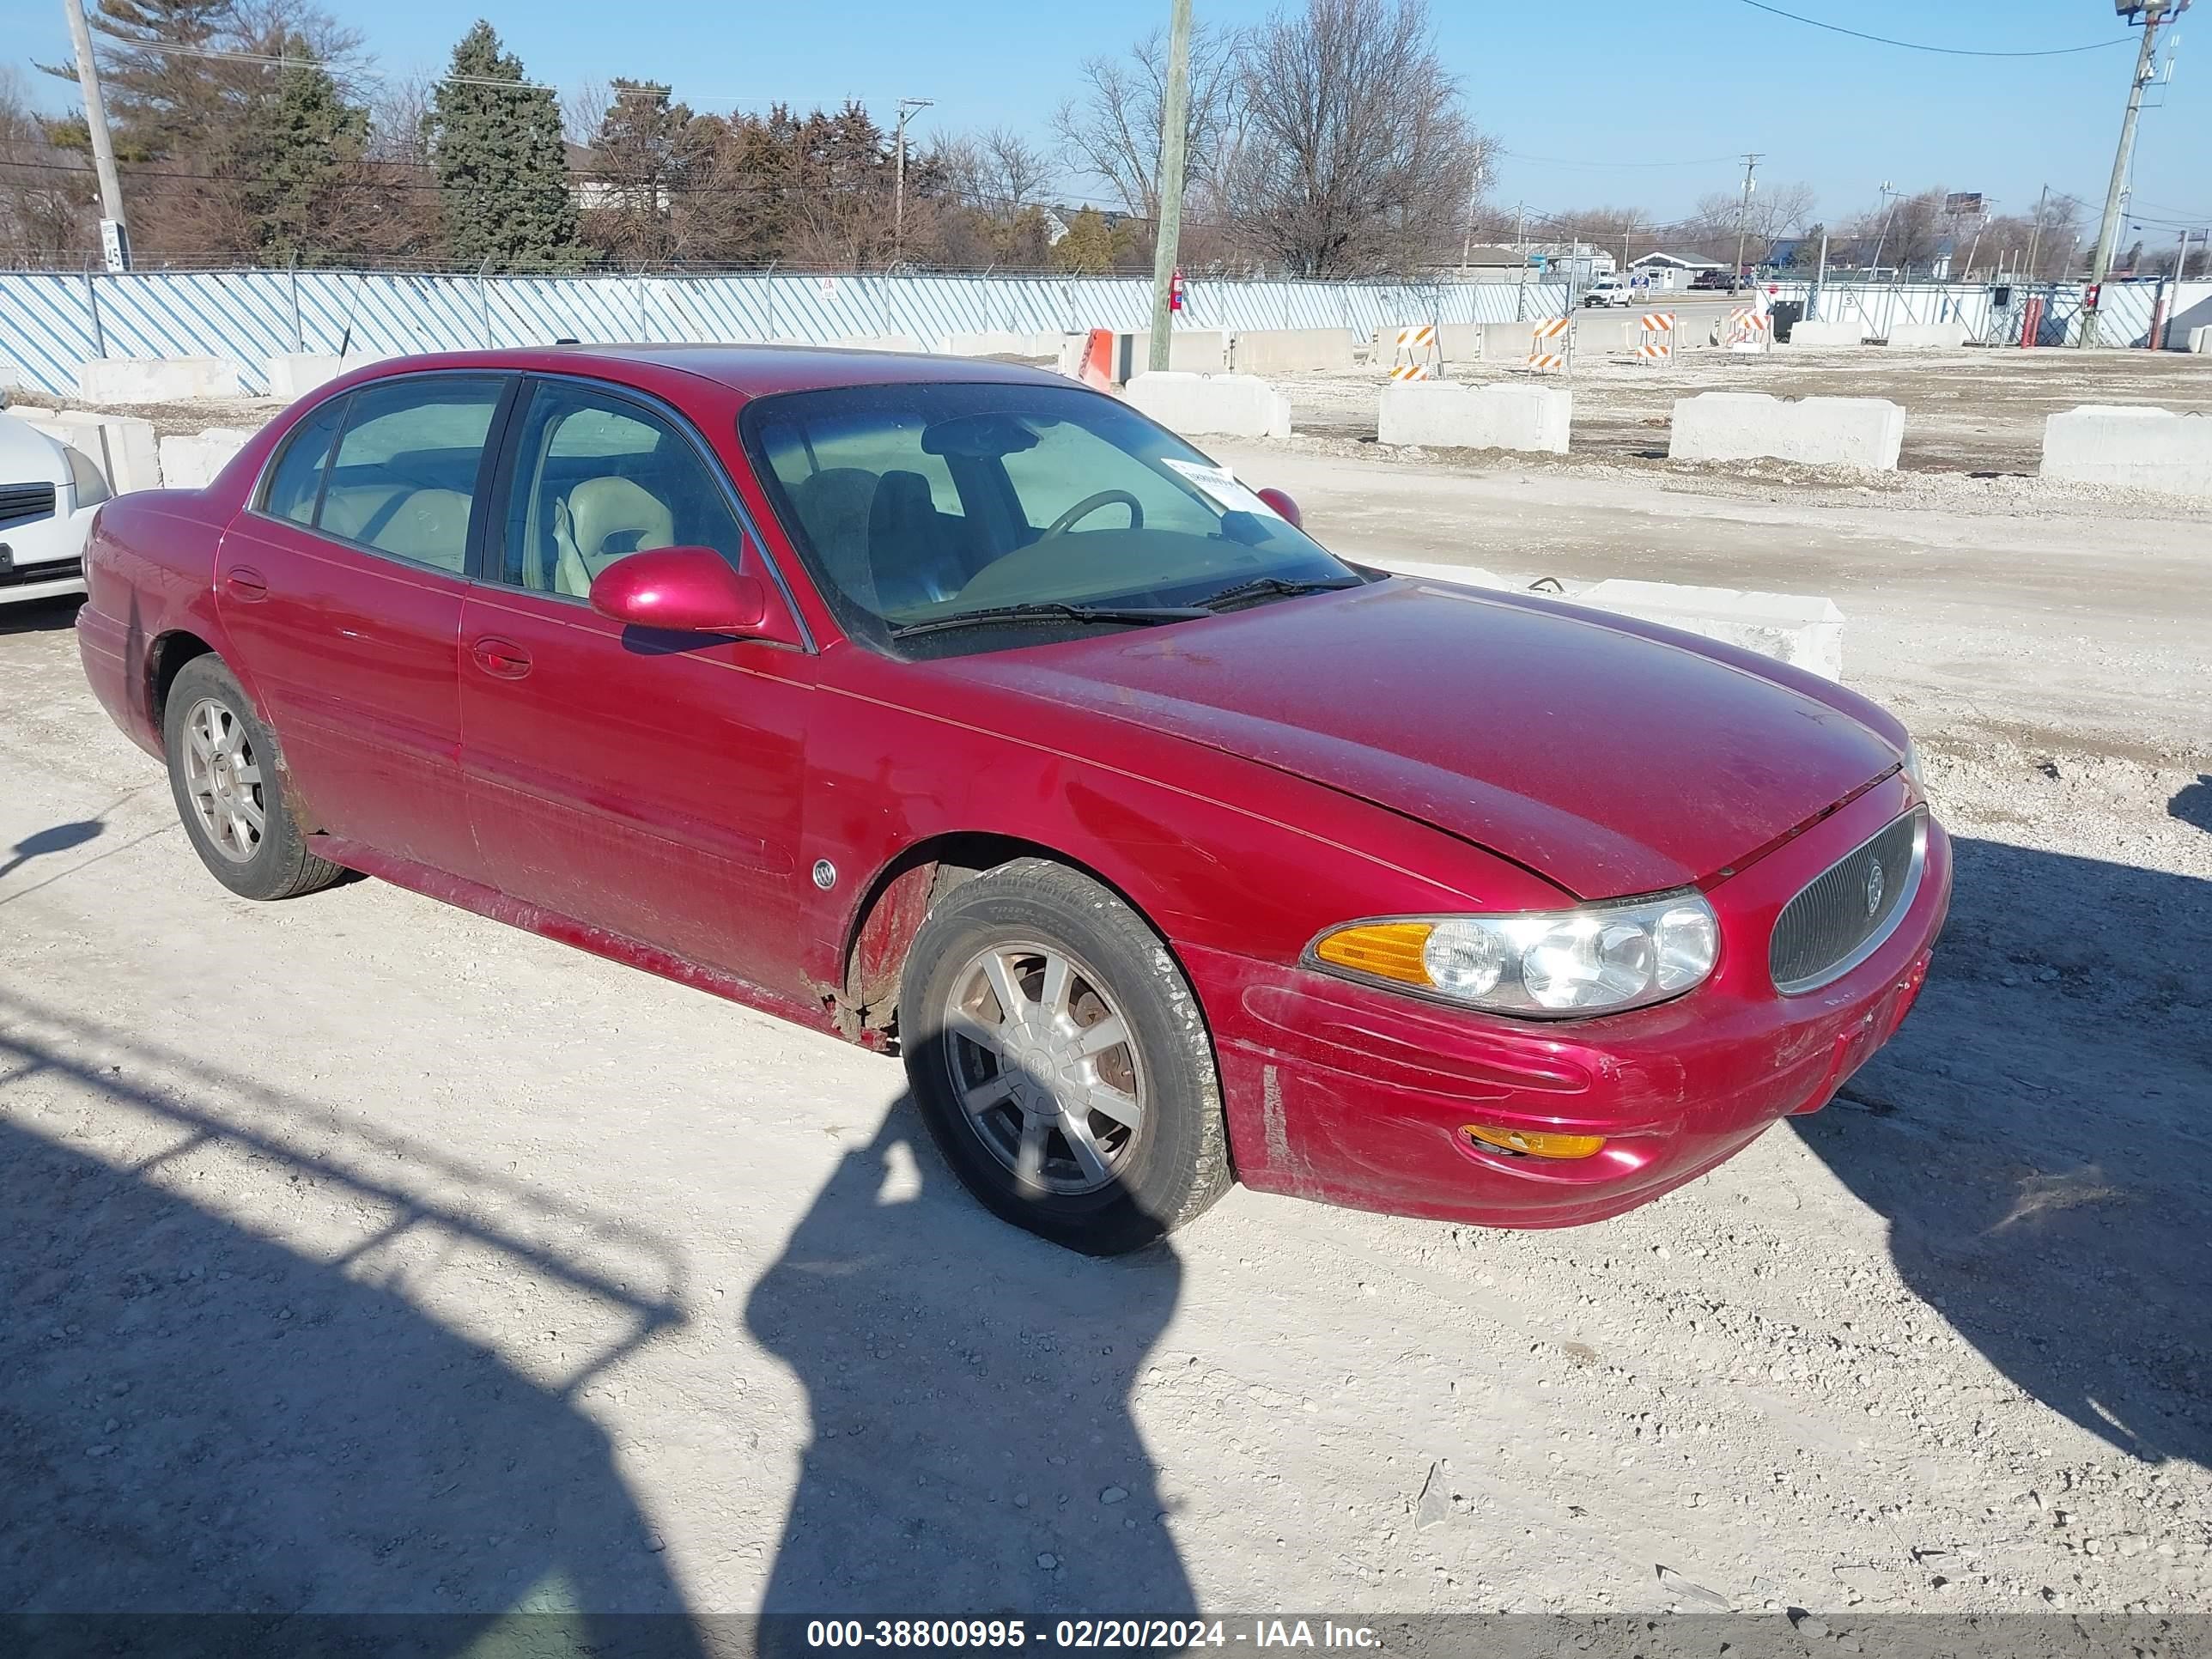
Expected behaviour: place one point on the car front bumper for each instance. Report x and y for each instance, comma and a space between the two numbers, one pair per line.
46, 557
1357, 1096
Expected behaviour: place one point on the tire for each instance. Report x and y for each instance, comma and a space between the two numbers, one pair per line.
1029, 1080
267, 860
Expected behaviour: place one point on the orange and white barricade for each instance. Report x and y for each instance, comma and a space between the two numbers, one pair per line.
1419, 354
1552, 345
1749, 330
1656, 339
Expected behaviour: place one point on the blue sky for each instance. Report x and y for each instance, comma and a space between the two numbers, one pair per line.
1678, 88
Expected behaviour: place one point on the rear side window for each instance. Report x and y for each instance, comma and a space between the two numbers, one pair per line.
402, 478
297, 479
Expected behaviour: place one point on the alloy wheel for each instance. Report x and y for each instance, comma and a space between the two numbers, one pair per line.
223, 780
1045, 1067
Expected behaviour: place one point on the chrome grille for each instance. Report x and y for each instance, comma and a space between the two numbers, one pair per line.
1830, 927
21, 502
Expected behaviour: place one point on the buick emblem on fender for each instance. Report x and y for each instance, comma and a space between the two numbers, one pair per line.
1875, 884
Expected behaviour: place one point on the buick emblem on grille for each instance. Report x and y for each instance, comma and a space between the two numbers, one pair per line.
1875, 882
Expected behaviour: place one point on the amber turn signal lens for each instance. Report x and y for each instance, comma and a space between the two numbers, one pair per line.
1537, 1143
1388, 950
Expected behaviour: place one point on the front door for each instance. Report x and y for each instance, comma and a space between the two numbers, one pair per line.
340, 589
646, 784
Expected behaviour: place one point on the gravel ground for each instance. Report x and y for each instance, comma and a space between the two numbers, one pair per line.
367, 1255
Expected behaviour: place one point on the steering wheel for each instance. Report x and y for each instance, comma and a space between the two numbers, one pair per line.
1090, 504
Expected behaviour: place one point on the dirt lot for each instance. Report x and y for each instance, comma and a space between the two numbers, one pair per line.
364, 1253
1968, 410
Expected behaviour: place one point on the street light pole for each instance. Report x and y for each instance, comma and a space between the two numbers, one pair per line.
908, 109
2153, 12
1173, 113
115, 235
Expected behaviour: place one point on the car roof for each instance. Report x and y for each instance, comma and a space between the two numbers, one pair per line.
751, 371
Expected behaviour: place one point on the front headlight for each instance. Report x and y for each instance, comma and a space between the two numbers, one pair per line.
1598, 959
1912, 772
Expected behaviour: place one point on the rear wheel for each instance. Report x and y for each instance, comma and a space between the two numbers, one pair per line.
229, 788
1059, 1057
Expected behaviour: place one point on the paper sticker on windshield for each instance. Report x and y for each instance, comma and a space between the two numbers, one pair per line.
1218, 485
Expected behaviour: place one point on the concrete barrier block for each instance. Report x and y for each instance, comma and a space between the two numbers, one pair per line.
155, 380
1810, 332
1190, 351
1602, 332
1003, 343
1215, 406
1741, 426
2198, 340
1927, 337
1804, 631
1465, 575
1290, 350
2138, 446
121, 446
192, 463
295, 373
880, 342
1452, 415
1507, 342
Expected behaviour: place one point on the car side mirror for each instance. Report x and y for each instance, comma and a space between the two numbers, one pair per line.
687, 590
1283, 506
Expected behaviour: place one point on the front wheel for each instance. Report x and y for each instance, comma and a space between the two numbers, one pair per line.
1059, 1058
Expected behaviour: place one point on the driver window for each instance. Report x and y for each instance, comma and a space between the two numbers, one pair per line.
596, 478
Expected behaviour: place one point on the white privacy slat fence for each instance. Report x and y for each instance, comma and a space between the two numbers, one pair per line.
53, 321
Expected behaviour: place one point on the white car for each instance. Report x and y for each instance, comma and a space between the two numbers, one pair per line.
1608, 291
47, 495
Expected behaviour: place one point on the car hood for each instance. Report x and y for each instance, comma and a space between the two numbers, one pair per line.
1610, 763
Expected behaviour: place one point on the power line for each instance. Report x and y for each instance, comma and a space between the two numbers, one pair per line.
1557, 161
1915, 46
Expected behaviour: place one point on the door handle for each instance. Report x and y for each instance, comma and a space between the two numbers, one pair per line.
503, 659
247, 584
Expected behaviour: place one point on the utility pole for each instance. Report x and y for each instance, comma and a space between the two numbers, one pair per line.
114, 233
1890, 212
1743, 218
908, 109
2035, 235
1173, 112
2153, 12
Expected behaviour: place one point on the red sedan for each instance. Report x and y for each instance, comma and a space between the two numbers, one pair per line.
954, 708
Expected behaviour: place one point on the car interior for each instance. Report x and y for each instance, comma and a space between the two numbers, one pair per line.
593, 484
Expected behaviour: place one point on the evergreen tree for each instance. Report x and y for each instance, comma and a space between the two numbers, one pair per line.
501, 163
294, 155
160, 103
1087, 247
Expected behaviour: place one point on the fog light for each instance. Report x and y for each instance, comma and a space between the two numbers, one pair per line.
1537, 1143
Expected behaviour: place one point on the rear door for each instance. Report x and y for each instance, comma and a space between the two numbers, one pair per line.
645, 783
340, 589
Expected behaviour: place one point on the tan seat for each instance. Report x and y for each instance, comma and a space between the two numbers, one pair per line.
431, 526
600, 520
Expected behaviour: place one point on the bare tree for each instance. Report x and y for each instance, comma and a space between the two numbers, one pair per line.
1111, 131
45, 193
1355, 155
997, 172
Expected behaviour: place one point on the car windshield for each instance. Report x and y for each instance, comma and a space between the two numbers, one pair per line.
1046, 506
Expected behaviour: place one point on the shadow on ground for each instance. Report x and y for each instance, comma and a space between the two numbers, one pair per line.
2037, 1137
41, 616
973, 1447
2192, 805
199, 1419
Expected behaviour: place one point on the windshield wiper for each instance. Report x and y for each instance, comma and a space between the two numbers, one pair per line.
1276, 586
1055, 610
